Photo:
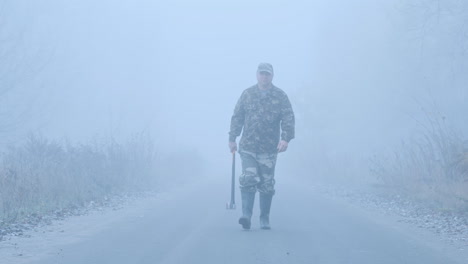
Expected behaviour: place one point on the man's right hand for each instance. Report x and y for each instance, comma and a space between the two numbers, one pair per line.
233, 146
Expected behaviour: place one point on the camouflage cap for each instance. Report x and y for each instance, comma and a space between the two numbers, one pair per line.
265, 67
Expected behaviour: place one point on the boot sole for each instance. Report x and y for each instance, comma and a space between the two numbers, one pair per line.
245, 223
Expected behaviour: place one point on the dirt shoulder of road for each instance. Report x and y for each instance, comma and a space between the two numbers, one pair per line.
441, 230
33, 239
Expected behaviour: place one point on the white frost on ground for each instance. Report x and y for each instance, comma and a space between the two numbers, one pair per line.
449, 227
46, 240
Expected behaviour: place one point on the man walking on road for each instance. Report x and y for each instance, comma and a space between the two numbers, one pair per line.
264, 115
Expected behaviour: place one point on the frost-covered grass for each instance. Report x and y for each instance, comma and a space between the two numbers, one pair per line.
432, 168
42, 175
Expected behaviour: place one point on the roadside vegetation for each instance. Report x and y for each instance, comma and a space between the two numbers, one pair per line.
42, 176
431, 168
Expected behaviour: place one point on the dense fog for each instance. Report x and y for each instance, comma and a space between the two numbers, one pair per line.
114, 122
361, 75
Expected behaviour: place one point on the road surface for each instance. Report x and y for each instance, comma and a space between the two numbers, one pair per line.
191, 225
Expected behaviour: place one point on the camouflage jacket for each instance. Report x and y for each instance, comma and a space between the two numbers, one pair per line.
261, 114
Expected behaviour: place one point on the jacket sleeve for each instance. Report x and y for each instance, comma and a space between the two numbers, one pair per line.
287, 120
237, 119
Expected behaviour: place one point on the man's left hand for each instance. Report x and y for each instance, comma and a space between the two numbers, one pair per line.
282, 146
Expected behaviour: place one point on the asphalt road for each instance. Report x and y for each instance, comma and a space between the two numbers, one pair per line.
191, 225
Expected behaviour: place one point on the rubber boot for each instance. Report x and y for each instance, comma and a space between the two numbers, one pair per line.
248, 199
265, 205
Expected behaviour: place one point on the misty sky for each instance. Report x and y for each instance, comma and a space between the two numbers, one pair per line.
353, 70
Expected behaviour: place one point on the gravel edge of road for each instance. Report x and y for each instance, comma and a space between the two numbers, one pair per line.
35, 221
449, 226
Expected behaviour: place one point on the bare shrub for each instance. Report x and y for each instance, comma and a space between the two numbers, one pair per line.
43, 175
432, 167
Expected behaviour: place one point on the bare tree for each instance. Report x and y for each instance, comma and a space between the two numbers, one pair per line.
440, 25
19, 63
438, 29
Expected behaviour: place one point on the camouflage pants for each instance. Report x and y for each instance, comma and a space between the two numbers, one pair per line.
258, 172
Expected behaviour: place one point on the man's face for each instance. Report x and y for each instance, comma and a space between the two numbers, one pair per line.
264, 78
